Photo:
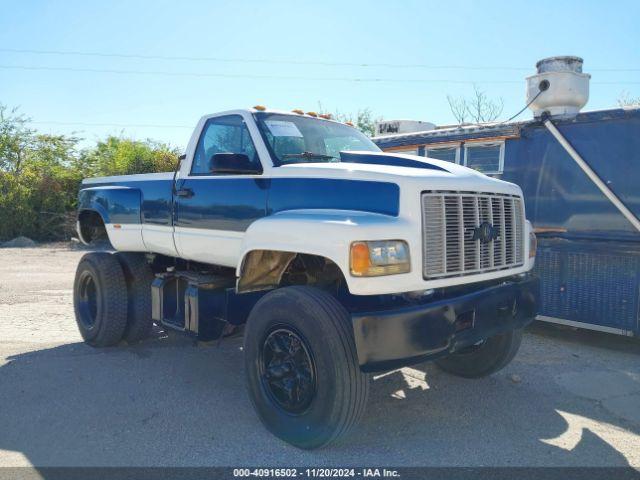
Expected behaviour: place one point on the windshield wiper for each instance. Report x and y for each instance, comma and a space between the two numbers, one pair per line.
308, 155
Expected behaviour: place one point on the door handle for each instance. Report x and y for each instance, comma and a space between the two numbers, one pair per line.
185, 193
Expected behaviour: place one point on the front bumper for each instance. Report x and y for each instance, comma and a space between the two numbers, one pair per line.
405, 335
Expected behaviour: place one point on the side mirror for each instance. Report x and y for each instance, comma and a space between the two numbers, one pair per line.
233, 163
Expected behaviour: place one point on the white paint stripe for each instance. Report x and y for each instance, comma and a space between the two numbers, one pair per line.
124, 226
157, 228
203, 232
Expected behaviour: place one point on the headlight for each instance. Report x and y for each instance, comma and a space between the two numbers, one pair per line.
533, 244
384, 257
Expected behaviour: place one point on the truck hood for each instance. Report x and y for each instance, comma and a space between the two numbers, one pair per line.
425, 173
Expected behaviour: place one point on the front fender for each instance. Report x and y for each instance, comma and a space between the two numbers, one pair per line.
326, 233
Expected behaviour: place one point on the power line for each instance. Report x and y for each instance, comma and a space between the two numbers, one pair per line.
243, 75
117, 125
251, 60
286, 62
278, 77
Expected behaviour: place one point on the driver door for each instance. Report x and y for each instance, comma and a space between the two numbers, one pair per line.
213, 211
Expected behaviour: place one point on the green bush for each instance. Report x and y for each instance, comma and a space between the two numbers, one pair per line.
40, 175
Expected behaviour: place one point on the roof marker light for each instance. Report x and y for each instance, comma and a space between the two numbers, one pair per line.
260, 108
349, 123
326, 116
312, 114
298, 111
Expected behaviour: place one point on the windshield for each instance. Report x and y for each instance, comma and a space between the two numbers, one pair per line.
298, 139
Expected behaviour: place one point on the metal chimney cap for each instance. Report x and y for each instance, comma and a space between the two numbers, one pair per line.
562, 63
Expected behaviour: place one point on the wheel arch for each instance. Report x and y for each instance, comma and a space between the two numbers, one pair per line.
107, 207
265, 269
321, 233
91, 226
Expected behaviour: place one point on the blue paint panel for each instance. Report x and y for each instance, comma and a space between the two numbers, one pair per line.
234, 203
321, 193
153, 200
113, 205
373, 159
222, 203
156, 203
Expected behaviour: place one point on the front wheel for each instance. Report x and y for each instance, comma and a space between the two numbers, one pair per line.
302, 368
485, 358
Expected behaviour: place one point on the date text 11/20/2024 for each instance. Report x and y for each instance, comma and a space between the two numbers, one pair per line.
316, 472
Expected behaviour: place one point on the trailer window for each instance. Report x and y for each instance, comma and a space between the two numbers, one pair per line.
448, 154
485, 157
409, 151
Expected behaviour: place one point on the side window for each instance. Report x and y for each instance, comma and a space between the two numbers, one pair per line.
448, 154
227, 134
484, 157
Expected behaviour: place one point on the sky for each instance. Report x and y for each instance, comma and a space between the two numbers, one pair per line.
150, 69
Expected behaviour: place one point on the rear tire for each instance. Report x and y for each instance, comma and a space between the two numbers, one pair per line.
302, 369
138, 276
482, 360
100, 299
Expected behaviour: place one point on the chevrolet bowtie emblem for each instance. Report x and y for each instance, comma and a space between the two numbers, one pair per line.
485, 232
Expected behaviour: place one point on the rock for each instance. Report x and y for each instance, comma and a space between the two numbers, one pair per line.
515, 378
19, 242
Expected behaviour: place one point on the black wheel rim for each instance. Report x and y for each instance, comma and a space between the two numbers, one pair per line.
287, 370
87, 300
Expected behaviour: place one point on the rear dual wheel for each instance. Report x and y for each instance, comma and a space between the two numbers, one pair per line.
112, 298
100, 299
139, 277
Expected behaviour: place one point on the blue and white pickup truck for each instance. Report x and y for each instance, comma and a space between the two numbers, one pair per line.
334, 258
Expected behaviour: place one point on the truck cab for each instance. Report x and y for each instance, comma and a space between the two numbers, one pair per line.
336, 259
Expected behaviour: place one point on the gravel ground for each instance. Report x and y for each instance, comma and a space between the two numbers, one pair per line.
570, 398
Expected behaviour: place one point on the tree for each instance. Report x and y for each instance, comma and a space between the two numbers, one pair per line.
123, 156
626, 100
15, 138
476, 109
40, 174
363, 119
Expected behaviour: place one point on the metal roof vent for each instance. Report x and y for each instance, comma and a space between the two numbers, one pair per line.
559, 88
395, 127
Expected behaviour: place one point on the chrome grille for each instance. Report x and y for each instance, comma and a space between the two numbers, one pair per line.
450, 221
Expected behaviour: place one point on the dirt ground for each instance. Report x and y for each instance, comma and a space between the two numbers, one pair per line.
570, 398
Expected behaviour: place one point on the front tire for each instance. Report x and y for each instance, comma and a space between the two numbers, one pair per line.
100, 299
301, 366
482, 360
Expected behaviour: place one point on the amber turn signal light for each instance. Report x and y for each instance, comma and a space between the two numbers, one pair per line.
533, 244
360, 260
